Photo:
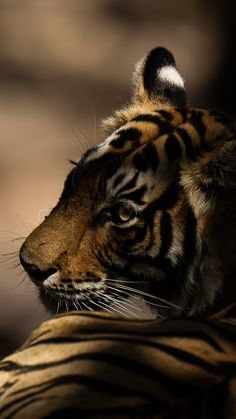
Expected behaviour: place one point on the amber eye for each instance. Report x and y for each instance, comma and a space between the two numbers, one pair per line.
122, 213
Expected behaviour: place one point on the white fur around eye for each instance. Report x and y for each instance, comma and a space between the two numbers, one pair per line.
170, 74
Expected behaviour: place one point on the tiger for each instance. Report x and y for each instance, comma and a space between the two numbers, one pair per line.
144, 226
98, 365
137, 257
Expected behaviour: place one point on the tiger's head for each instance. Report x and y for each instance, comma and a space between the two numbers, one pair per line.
133, 227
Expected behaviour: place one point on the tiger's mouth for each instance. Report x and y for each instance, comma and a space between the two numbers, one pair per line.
120, 305
107, 295
66, 295
121, 296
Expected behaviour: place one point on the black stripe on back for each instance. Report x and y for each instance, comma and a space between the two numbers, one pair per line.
191, 333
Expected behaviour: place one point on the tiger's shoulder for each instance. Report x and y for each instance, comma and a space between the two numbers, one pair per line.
98, 365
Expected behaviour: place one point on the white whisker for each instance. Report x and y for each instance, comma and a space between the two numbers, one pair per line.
126, 302
126, 282
85, 305
118, 304
102, 306
112, 308
138, 297
145, 294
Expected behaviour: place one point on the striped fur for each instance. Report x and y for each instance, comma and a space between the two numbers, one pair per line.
93, 365
142, 229
169, 169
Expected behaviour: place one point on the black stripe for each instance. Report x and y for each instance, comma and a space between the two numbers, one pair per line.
118, 180
179, 354
139, 162
197, 122
94, 383
165, 114
184, 391
188, 143
173, 332
110, 160
129, 185
150, 226
189, 245
189, 249
100, 385
22, 406
166, 201
123, 363
124, 135
151, 155
227, 330
110, 168
173, 148
163, 126
165, 234
136, 196
147, 158
221, 118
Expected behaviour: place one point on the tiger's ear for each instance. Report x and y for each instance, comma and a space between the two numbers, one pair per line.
156, 79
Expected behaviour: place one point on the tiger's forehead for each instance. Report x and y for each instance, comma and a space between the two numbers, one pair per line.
142, 128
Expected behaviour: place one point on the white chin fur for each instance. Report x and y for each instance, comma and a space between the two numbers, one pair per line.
170, 74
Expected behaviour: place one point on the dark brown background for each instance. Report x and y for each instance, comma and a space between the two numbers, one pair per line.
65, 64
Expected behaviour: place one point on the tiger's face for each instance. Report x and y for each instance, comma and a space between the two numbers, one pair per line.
130, 227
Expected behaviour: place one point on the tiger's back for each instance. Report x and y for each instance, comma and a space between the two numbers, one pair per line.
93, 365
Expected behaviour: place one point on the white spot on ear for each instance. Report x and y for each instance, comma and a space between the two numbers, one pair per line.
170, 74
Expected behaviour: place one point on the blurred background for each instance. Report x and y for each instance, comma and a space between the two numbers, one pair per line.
64, 65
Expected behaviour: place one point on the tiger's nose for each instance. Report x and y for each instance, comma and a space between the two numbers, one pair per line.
33, 270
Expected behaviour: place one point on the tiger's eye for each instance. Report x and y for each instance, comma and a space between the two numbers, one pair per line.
125, 213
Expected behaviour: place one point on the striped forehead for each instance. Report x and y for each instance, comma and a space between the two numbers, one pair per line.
121, 141
130, 183
144, 126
